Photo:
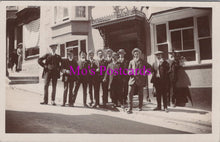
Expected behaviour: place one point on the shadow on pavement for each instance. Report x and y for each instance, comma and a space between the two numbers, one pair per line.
32, 122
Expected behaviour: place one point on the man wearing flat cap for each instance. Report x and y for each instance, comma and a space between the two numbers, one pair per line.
137, 79
100, 62
68, 78
51, 62
160, 79
124, 86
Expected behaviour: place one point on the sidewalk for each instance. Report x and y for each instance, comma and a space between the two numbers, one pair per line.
180, 118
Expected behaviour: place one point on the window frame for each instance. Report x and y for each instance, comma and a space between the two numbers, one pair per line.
62, 20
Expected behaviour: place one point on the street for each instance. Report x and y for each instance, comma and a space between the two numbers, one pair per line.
24, 114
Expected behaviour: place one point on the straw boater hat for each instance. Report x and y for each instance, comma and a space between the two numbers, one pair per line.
109, 51
91, 51
136, 50
158, 52
121, 51
100, 50
53, 45
83, 52
20, 44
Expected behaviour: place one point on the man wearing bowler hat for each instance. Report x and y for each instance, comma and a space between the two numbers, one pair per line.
51, 62
160, 79
124, 65
68, 78
137, 79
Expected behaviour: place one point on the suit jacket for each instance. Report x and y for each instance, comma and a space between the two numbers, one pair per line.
50, 63
138, 79
83, 65
99, 63
124, 65
112, 76
93, 66
65, 65
163, 71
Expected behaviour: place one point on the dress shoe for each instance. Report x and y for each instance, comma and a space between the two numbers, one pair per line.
86, 106
157, 108
43, 103
90, 104
63, 105
129, 112
140, 109
53, 103
166, 110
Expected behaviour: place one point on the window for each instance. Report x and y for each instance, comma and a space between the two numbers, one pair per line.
81, 11
83, 45
204, 38
182, 37
161, 36
62, 50
61, 14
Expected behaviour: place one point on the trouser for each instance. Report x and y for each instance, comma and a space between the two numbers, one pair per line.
91, 90
132, 90
76, 89
161, 92
115, 91
124, 91
68, 85
172, 92
50, 76
104, 91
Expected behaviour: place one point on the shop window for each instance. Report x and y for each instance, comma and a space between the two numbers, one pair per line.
161, 33
187, 22
81, 11
62, 50
204, 38
83, 45
31, 52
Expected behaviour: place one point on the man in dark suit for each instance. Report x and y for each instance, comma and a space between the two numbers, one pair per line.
124, 65
160, 79
137, 78
114, 79
51, 63
82, 78
101, 63
92, 76
68, 78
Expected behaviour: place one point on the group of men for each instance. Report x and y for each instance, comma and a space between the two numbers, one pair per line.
122, 88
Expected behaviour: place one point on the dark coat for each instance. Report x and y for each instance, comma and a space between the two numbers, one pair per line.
51, 64
66, 63
124, 65
113, 75
83, 71
163, 71
92, 70
138, 79
99, 63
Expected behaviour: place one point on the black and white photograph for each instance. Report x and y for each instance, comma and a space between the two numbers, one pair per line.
108, 69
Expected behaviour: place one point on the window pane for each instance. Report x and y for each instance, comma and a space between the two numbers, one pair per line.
188, 39
203, 26
65, 12
72, 43
83, 45
205, 48
189, 55
176, 40
62, 50
187, 22
80, 11
164, 48
161, 33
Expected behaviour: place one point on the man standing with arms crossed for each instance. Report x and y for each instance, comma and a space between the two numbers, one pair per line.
51, 62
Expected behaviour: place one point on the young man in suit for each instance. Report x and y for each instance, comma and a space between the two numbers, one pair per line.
68, 78
160, 79
124, 65
114, 79
51, 62
101, 63
93, 66
82, 78
137, 79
